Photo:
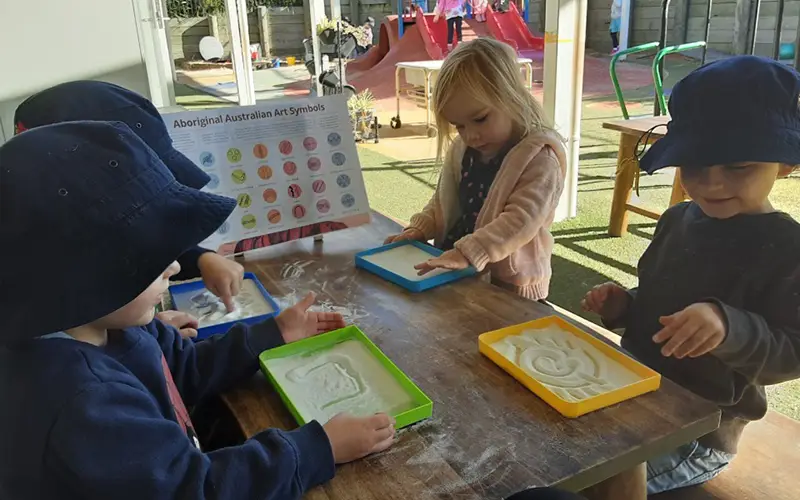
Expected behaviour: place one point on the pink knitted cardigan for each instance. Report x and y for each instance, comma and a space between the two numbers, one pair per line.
512, 233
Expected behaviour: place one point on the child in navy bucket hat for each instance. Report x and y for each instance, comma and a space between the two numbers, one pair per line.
101, 101
717, 309
93, 388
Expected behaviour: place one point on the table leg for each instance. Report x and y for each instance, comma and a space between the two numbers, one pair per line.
678, 194
623, 184
427, 100
397, 89
529, 75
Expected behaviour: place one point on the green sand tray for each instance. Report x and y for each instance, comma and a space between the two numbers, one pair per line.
421, 406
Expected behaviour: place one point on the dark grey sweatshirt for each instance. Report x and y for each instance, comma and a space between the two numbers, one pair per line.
749, 265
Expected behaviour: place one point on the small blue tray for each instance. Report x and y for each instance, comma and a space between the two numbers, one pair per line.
414, 286
224, 327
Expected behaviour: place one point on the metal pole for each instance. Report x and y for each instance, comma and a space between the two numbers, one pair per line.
662, 42
708, 31
755, 27
776, 42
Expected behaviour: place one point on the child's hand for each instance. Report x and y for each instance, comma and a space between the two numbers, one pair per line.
408, 234
353, 438
223, 277
693, 332
186, 324
451, 259
297, 322
609, 300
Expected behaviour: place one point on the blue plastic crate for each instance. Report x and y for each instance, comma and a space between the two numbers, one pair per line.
414, 286
224, 327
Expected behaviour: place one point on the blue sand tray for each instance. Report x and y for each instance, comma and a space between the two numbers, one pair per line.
195, 299
402, 273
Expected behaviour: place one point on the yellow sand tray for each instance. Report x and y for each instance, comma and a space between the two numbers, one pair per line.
569, 374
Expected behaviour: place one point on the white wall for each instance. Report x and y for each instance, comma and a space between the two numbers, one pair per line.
45, 42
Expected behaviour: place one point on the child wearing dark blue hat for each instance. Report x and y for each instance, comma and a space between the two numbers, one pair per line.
101, 101
93, 388
718, 302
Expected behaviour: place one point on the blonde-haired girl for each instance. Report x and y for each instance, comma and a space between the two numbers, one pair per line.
501, 177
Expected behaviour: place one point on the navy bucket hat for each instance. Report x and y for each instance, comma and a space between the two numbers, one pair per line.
101, 101
89, 217
740, 109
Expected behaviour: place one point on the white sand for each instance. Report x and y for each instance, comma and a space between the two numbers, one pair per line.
343, 378
210, 311
565, 364
401, 261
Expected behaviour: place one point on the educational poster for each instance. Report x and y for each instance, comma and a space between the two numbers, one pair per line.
291, 165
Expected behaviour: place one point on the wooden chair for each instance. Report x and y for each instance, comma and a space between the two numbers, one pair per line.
766, 468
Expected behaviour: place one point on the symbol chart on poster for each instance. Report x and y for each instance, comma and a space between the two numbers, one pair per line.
288, 164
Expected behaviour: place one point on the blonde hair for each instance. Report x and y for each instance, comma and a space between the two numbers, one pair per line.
487, 70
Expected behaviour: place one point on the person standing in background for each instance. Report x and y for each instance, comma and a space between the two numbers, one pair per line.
614, 26
453, 11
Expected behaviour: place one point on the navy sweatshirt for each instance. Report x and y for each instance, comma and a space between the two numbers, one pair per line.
84, 422
749, 265
189, 264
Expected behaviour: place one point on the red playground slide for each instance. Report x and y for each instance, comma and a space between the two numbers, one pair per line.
510, 28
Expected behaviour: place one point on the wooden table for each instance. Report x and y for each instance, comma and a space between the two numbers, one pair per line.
489, 436
628, 168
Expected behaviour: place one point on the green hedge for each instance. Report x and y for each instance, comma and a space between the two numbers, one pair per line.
203, 8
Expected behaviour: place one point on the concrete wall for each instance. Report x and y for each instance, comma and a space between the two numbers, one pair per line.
284, 33
45, 42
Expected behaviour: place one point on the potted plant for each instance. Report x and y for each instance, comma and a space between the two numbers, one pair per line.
362, 114
350, 37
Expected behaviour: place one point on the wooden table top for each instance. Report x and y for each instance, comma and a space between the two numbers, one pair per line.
638, 126
489, 436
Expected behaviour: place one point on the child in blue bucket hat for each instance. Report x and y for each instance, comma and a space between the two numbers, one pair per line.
93, 388
101, 101
717, 309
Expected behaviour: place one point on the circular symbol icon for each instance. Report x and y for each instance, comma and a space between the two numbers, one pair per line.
299, 211
213, 183
295, 191
224, 228
310, 143
234, 155
348, 200
265, 172
206, 159
334, 139
238, 176
244, 200
274, 216
314, 164
338, 159
289, 168
318, 186
285, 147
270, 195
323, 206
343, 181
249, 221
260, 151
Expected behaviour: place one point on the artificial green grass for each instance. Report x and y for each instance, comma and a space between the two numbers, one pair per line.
584, 254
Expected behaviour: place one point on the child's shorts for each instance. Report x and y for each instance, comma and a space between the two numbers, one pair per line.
689, 465
615, 25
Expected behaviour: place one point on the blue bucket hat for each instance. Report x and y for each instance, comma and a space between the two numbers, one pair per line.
101, 101
744, 108
89, 217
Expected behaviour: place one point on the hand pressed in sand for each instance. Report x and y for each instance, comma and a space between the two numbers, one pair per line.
407, 234
353, 438
186, 324
451, 259
222, 277
609, 300
297, 322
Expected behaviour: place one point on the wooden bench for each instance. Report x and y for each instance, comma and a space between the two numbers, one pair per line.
766, 468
